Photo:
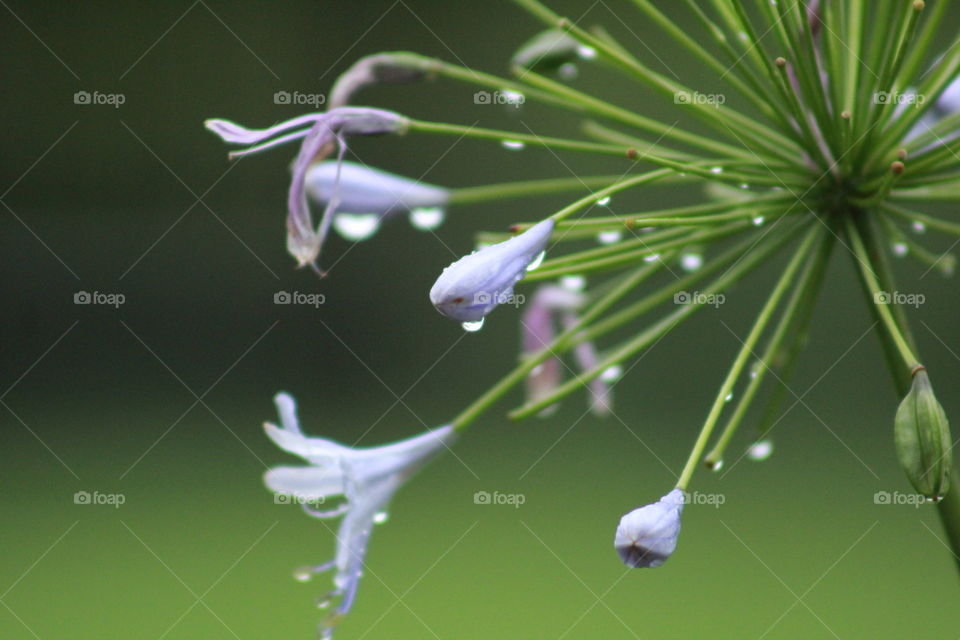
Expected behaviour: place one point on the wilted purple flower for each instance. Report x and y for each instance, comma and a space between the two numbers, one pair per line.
367, 191
474, 285
538, 331
647, 536
366, 478
379, 68
321, 133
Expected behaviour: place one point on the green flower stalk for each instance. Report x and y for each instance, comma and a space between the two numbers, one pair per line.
848, 130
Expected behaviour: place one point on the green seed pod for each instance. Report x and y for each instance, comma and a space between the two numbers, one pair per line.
922, 436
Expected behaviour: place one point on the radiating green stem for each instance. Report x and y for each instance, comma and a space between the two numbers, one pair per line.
744, 354
651, 334
528, 188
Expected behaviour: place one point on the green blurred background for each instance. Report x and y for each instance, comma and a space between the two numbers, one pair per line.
161, 400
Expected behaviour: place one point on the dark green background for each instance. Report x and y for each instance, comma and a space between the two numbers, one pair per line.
104, 199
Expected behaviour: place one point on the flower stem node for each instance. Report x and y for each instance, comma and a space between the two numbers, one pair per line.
647, 536
922, 436
474, 285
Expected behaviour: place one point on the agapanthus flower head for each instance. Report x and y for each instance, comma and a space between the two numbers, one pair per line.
647, 536
395, 67
365, 196
474, 285
538, 329
322, 133
365, 478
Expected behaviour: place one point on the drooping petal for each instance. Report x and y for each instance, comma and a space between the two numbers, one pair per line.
306, 483
379, 68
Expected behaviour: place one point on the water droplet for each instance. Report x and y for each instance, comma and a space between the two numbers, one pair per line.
729, 397
537, 370
611, 374
918, 227
513, 145
715, 465
760, 450
323, 602
473, 327
716, 169
604, 201
587, 53
427, 218
691, 261
653, 257
758, 220
356, 226
512, 98
743, 36
744, 185
537, 261
609, 237
380, 517
303, 574
755, 368
900, 249
947, 265
573, 283
568, 71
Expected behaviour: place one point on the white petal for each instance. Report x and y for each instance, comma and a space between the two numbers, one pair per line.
306, 483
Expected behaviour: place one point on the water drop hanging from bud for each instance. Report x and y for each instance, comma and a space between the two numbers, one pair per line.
473, 327
356, 226
609, 237
380, 517
513, 145
427, 218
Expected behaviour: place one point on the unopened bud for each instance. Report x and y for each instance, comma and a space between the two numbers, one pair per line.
922, 436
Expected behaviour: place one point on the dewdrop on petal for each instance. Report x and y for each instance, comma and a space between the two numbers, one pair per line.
647, 536
474, 285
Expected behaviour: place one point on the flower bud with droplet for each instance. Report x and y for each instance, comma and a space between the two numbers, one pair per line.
922, 436
474, 285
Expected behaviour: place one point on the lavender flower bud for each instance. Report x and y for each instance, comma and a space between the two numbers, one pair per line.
647, 536
364, 190
474, 285
380, 68
922, 436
